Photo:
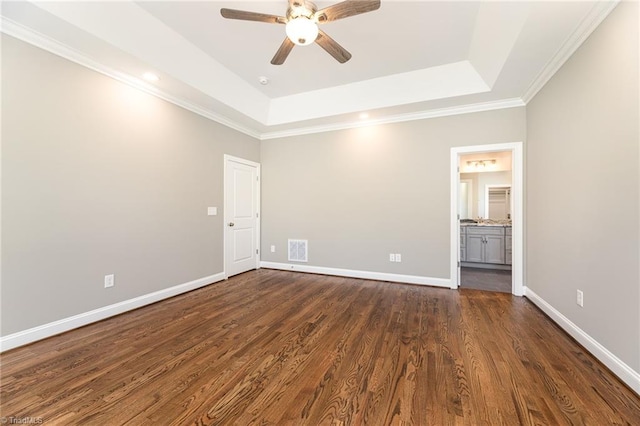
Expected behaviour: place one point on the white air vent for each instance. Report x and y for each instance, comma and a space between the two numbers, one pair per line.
298, 250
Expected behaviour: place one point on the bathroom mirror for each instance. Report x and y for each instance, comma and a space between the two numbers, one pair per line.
498, 202
485, 195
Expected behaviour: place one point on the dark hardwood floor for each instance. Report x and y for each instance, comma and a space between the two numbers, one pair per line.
283, 348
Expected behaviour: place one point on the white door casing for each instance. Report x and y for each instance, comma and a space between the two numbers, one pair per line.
241, 215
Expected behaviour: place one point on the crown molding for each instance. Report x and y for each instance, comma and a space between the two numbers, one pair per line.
399, 118
44, 42
594, 18
596, 15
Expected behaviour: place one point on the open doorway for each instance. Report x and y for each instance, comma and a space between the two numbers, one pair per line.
485, 224
487, 217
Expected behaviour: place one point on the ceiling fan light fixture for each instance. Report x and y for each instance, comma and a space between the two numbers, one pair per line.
301, 24
302, 31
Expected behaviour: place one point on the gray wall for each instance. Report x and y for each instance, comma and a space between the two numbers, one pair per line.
100, 178
358, 195
583, 187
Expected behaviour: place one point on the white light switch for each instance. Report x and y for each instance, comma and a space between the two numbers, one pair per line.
212, 211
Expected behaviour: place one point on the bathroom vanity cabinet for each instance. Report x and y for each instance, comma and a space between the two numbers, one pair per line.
485, 245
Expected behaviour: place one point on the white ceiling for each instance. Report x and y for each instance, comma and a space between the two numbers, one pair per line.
411, 59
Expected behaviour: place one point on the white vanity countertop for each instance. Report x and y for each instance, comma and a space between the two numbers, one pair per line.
488, 223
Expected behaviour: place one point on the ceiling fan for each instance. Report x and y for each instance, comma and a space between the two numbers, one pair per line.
301, 21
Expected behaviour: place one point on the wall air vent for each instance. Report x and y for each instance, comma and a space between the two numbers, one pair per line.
298, 250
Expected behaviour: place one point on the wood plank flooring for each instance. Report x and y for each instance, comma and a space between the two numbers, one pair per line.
281, 348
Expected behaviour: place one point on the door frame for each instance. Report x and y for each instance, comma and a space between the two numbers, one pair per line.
517, 198
225, 228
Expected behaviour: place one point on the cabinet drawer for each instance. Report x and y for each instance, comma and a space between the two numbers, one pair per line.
485, 230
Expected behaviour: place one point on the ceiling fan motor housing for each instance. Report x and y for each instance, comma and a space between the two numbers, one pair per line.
298, 9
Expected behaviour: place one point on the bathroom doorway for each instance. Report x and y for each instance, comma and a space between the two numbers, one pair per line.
487, 218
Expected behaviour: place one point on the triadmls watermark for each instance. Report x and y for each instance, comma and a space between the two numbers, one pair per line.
11, 420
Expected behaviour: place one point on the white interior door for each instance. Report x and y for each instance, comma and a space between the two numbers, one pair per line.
241, 213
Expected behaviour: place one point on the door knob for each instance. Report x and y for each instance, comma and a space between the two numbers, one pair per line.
231, 223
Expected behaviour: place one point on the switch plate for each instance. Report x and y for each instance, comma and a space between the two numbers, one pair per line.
580, 298
398, 257
212, 211
392, 257
273, 249
109, 280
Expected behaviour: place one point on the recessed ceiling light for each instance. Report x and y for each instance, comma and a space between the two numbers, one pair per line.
364, 116
263, 80
149, 76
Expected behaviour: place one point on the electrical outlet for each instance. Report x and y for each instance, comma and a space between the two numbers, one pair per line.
109, 280
273, 249
392, 257
398, 257
580, 298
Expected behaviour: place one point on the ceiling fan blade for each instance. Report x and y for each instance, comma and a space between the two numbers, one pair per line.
252, 16
345, 9
332, 47
283, 52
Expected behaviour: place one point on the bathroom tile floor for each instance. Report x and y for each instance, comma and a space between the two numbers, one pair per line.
485, 279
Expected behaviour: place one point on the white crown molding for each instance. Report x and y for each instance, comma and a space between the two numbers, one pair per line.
40, 332
44, 42
591, 21
596, 15
399, 118
615, 364
367, 275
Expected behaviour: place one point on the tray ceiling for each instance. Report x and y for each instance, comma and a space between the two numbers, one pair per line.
411, 59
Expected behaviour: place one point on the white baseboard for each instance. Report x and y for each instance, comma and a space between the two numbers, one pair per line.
368, 275
40, 332
617, 366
